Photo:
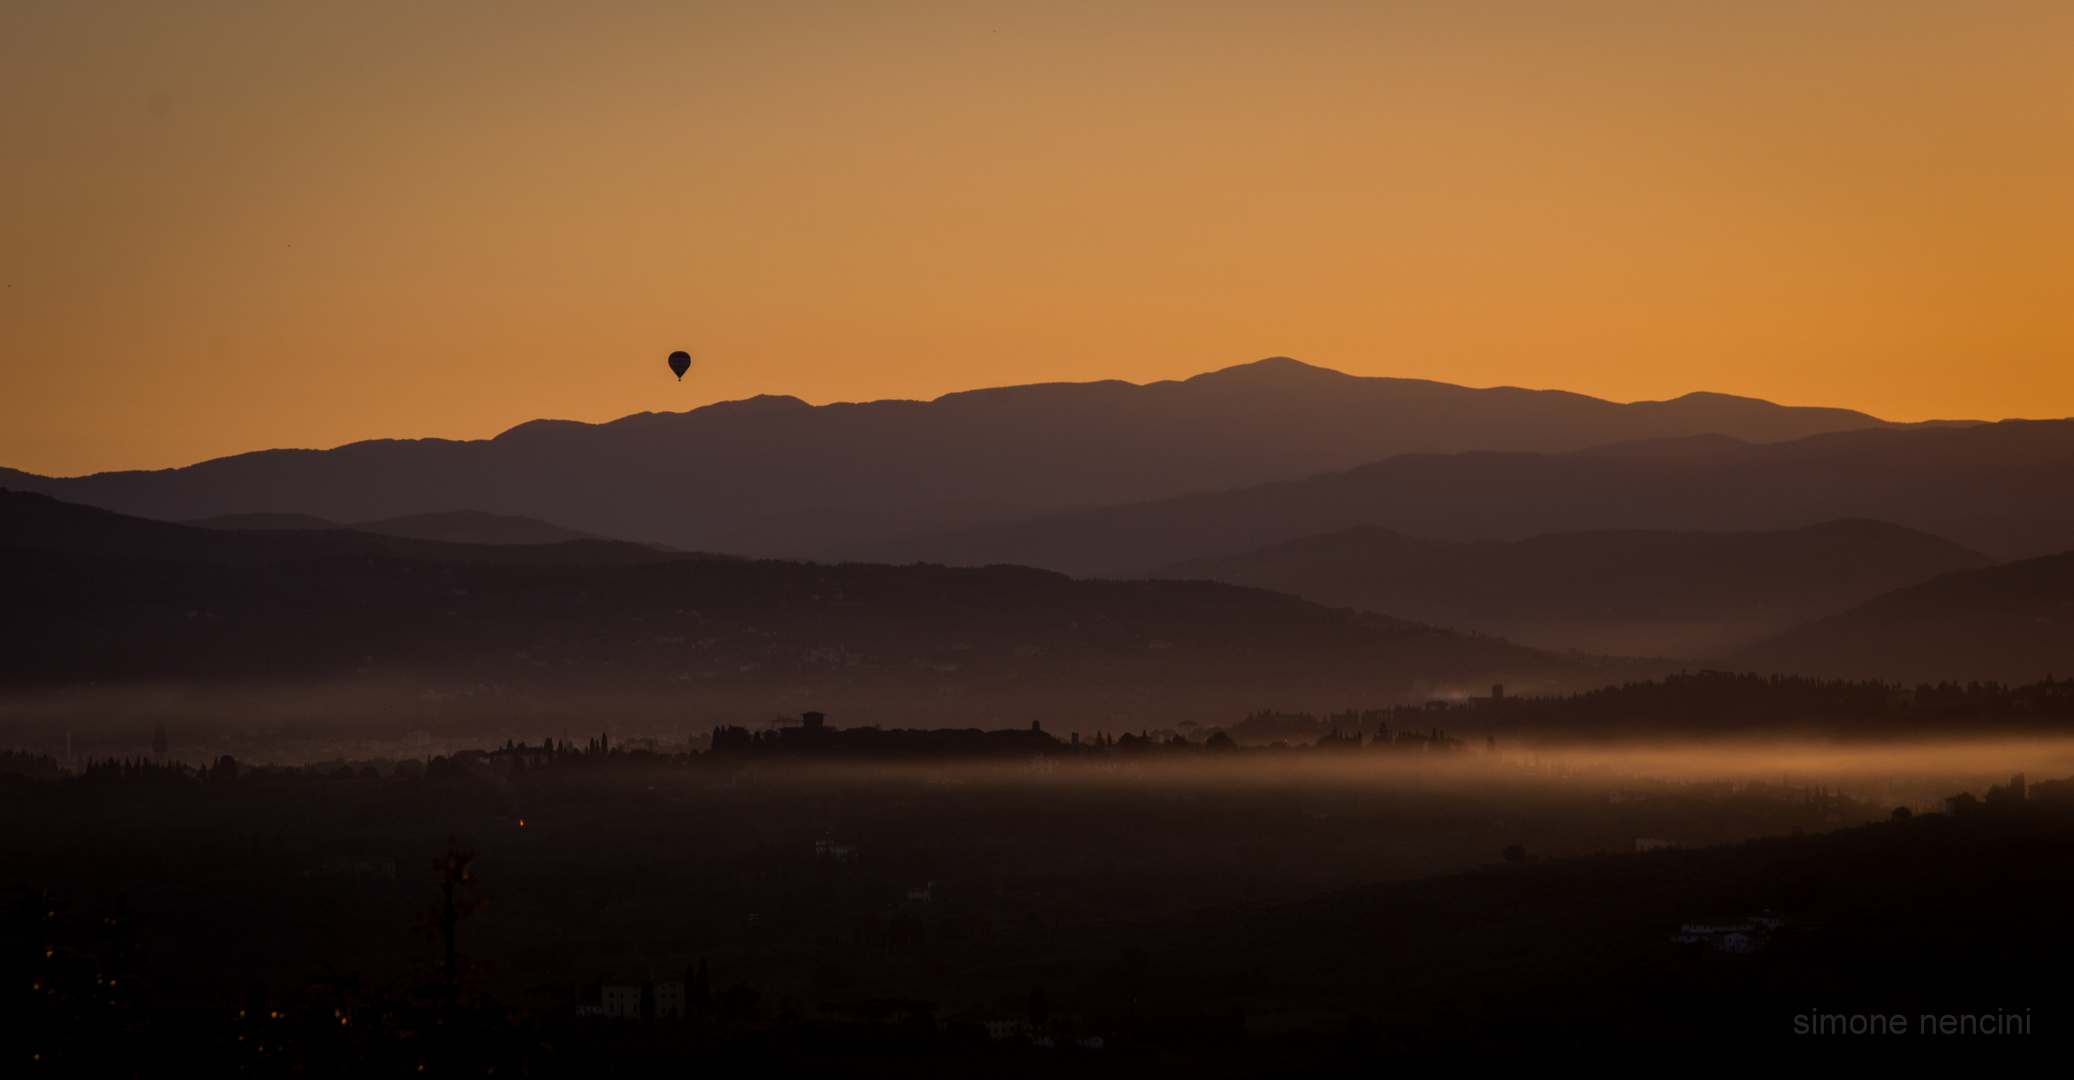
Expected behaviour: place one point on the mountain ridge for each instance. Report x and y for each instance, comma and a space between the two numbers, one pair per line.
1997, 488
103, 604
1694, 595
33, 521
731, 467
452, 526
2013, 622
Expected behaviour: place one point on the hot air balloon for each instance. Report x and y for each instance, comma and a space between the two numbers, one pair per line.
680, 362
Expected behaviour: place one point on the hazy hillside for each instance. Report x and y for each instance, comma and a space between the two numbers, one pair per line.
1631, 592
779, 477
1998, 488
474, 527
264, 522
2013, 623
453, 527
34, 521
95, 597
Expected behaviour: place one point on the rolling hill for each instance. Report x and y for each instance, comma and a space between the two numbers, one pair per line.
381, 626
39, 522
1631, 592
265, 522
1997, 488
774, 476
453, 527
2012, 623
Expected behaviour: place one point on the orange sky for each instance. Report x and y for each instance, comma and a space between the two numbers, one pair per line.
233, 226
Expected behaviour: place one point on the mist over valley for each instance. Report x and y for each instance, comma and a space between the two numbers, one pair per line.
1274, 717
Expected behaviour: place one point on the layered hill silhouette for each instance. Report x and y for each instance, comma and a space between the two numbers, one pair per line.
1996, 488
97, 597
1632, 592
453, 527
2013, 623
266, 522
39, 522
775, 476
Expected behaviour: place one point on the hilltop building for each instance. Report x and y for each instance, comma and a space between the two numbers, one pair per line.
1730, 935
2010, 794
637, 1001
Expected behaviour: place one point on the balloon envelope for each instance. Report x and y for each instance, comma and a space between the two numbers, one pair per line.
680, 362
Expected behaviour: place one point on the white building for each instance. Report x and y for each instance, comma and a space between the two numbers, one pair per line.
1736, 943
1728, 935
621, 1001
1006, 1027
1710, 927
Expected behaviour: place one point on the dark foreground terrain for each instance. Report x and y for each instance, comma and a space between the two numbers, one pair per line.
1271, 912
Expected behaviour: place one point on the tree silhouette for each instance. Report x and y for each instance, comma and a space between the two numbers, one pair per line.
456, 882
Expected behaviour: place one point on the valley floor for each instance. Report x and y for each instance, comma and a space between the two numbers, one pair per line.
1190, 918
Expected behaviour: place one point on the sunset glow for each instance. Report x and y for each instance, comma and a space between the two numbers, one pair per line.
1215, 539
237, 226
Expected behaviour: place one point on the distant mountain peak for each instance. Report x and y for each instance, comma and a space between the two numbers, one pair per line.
1698, 396
732, 468
1279, 368
759, 403
541, 430
545, 430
